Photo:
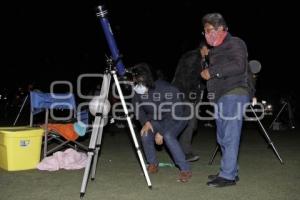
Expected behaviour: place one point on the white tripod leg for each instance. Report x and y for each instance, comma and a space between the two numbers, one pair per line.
100, 130
138, 149
96, 133
98, 145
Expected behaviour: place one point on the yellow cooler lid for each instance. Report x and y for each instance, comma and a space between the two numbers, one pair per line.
21, 131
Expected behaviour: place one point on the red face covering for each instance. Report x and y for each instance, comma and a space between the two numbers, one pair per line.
215, 38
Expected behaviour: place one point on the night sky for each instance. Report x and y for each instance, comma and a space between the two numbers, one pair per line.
59, 41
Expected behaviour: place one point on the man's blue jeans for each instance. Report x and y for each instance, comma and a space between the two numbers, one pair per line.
170, 140
229, 123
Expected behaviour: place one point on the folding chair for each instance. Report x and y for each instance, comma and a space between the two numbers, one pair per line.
49, 102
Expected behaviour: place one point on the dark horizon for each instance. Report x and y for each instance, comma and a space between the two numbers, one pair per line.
59, 41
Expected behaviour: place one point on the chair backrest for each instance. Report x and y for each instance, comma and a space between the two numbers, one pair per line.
40, 101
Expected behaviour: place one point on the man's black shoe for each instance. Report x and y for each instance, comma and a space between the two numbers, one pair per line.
212, 177
220, 182
191, 157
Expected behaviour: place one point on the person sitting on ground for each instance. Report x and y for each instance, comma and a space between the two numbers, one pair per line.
154, 108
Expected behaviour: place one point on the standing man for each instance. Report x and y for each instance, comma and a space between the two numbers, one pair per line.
188, 81
226, 78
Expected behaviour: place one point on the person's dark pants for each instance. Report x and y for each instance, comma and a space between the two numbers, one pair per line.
170, 140
185, 139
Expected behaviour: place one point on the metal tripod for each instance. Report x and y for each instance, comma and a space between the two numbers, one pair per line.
266, 135
96, 137
21, 109
271, 125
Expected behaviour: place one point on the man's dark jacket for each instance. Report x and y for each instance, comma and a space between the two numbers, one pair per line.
228, 67
158, 107
187, 76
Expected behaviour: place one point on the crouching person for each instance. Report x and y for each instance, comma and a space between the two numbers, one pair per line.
153, 102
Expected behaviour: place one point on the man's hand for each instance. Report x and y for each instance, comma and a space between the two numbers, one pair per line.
204, 51
159, 139
146, 128
254, 101
205, 74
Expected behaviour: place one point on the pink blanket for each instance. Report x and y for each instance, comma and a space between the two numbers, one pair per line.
69, 159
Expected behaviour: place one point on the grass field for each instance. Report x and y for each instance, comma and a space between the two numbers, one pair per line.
119, 176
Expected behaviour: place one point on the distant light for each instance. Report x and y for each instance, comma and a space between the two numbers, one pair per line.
264, 102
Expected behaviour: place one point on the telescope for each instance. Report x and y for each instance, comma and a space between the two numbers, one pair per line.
100, 106
102, 15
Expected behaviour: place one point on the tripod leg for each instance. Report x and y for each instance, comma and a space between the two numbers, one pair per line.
100, 132
46, 134
96, 134
21, 109
267, 136
138, 149
291, 116
86, 174
214, 155
98, 145
278, 115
